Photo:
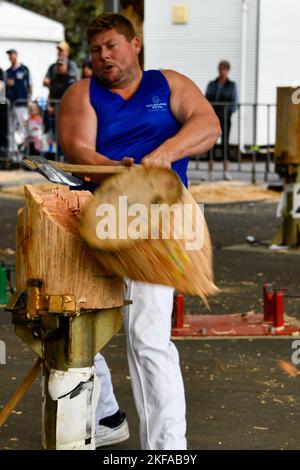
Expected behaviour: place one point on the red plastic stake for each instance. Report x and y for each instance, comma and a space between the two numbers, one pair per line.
273, 305
178, 311
268, 295
278, 309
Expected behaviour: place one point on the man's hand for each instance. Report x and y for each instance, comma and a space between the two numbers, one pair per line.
47, 82
126, 161
157, 159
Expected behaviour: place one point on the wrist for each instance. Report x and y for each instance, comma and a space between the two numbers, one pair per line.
171, 150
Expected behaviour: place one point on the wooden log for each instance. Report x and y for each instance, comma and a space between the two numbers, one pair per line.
287, 149
49, 247
170, 258
138, 186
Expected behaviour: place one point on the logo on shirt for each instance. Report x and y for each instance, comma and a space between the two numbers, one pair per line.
157, 105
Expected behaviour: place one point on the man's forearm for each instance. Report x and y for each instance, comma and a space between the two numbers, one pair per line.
194, 138
86, 156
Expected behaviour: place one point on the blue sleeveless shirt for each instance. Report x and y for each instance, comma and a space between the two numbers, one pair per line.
135, 127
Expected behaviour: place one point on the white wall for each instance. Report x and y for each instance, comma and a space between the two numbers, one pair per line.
213, 33
279, 54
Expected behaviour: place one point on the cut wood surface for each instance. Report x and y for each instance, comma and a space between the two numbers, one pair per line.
49, 247
169, 260
140, 185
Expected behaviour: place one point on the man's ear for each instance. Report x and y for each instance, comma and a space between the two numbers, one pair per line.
137, 45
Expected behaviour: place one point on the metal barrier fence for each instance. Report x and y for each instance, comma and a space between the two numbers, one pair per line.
28, 128
250, 144
31, 128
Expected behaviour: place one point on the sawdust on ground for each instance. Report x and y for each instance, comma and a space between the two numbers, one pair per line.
216, 192
231, 191
19, 190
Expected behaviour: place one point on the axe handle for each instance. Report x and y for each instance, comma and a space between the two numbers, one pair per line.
90, 168
20, 392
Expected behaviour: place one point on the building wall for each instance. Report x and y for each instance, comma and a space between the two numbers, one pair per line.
213, 33
279, 53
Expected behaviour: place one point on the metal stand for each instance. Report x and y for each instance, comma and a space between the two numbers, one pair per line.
50, 326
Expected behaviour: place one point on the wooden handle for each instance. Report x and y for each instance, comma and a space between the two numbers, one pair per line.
20, 392
90, 168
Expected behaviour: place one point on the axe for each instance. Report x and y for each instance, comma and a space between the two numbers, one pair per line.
57, 172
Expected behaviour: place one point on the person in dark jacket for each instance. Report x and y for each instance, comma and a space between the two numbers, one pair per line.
223, 92
59, 84
18, 91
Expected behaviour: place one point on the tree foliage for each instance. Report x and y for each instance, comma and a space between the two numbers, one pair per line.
74, 14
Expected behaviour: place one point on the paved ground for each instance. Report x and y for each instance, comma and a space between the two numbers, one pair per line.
237, 397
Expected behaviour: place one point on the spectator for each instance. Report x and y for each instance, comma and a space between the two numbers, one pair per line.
86, 69
223, 90
63, 52
59, 83
3, 115
35, 129
18, 91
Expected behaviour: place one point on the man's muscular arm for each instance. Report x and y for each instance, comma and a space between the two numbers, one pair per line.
77, 128
200, 125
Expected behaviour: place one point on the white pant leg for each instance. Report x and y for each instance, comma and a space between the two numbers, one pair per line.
22, 118
12, 126
154, 366
107, 404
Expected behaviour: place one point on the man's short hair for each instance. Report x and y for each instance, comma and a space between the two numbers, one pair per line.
107, 21
224, 64
11, 51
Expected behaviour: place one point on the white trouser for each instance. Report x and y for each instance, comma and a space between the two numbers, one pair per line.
17, 120
107, 404
154, 367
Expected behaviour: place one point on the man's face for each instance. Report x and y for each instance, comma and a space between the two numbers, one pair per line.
114, 58
223, 71
12, 57
61, 54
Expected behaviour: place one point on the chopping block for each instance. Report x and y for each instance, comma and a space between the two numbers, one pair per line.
66, 307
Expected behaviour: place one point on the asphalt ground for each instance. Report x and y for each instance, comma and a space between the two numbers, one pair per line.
237, 396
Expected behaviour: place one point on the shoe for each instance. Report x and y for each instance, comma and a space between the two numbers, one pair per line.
112, 430
227, 176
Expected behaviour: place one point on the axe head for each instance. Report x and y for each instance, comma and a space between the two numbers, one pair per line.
45, 168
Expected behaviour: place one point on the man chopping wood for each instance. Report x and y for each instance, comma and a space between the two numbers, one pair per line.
124, 115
